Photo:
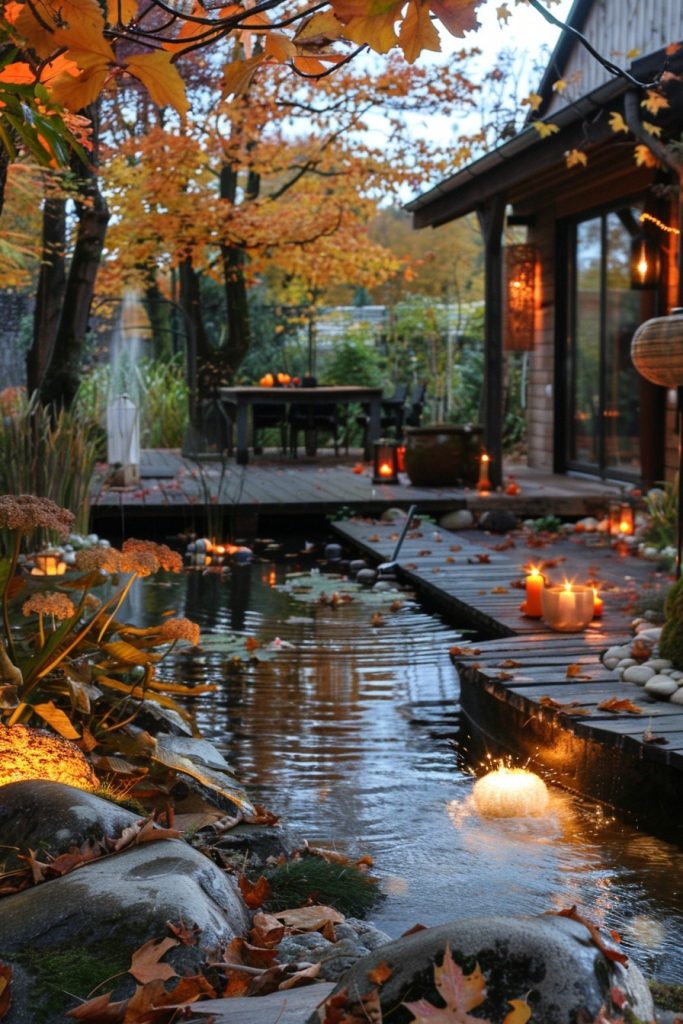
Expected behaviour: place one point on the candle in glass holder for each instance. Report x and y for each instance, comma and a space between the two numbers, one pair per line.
534, 590
614, 519
483, 483
568, 608
598, 604
626, 519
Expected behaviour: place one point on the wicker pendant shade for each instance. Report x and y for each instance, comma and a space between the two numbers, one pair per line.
657, 349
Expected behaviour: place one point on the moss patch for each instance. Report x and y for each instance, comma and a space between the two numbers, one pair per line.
311, 879
60, 974
667, 997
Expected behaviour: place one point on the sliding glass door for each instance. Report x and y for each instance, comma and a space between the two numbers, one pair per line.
603, 388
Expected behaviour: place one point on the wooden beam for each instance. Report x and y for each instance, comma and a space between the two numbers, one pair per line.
491, 217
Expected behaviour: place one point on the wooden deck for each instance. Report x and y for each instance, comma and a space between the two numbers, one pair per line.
175, 486
504, 680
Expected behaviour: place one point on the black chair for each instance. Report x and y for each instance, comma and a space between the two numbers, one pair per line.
321, 416
416, 406
391, 416
265, 416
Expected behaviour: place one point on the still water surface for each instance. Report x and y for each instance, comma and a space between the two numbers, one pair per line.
349, 735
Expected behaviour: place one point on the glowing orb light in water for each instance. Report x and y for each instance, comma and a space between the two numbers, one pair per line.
33, 754
510, 793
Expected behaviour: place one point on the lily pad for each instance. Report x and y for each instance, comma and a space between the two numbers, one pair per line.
236, 647
330, 589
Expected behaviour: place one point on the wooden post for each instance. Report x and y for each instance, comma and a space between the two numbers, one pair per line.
491, 215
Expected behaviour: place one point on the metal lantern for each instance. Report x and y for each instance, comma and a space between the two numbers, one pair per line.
385, 462
123, 441
520, 297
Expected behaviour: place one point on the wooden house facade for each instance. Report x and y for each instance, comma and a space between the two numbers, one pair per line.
589, 227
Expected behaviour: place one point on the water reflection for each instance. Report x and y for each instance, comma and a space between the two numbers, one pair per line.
347, 735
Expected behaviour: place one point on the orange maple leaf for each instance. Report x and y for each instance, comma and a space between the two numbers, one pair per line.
19, 73
145, 965
458, 16
161, 79
254, 893
417, 32
381, 973
460, 992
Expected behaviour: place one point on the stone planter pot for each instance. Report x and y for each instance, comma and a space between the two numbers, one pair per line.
443, 454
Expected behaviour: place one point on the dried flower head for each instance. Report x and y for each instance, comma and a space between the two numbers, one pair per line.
102, 559
50, 602
166, 559
140, 562
26, 512
91, 602
180, 629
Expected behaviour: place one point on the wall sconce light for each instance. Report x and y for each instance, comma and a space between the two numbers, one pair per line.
520, 297
644, 262
385, 462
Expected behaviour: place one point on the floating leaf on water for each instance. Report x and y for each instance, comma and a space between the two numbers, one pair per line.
236, 647
332, 590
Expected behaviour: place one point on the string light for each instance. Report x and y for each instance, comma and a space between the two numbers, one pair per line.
659, 224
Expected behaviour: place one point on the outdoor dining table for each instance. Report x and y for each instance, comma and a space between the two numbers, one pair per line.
242, 399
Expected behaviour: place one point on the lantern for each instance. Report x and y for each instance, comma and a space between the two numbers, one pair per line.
644, 262
123, 441
614, 518
520, 297
626, 522
49, 563
657, 349
385, 459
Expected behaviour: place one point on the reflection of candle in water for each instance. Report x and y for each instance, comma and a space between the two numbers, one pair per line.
484, 484
597, 604
534, 589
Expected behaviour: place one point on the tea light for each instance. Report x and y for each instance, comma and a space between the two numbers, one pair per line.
626, 519
598, 604
535, 585
568, 608
483, 483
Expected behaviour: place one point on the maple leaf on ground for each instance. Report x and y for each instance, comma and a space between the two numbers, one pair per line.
615, 704
255, 893
5, 988
145, 965
460, 992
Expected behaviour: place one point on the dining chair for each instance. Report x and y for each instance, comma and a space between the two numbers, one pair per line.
321, 416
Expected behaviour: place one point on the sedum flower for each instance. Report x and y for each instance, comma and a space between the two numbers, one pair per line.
179, 629
98, 559
164, 557
26, 512
49, 602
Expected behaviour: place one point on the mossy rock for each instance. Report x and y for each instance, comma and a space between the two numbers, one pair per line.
350, 891
671, 643
667, 997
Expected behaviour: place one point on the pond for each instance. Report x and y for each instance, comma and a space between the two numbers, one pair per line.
350, 734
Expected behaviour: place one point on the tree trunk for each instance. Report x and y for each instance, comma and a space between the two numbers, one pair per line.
63, 373
234, 262
50, 292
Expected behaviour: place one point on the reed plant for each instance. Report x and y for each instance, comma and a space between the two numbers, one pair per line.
49, 453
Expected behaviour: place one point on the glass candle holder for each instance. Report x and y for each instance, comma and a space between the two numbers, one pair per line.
567, 608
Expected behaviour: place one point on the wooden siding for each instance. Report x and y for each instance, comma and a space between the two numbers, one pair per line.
615, 28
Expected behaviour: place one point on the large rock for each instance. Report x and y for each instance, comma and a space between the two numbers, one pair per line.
553, 959
105, 910
51, 817
354, 939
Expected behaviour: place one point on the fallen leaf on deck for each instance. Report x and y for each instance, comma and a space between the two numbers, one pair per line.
509, 663
301, 977
617, 704
450, 560
455, 547
504, 545
650, 737
266, 930
381, 973
574, 671
458, 652
571, 708
373, 538
377, 619
479, 559
423, 553
358, 468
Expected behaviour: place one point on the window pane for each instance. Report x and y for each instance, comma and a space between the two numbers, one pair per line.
622, 386
585, 402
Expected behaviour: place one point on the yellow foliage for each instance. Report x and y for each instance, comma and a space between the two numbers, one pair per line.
544, 128
576, 157
161, 79
644, 156
616, 122
654, 102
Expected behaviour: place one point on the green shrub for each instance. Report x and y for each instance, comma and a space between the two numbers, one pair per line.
342, 886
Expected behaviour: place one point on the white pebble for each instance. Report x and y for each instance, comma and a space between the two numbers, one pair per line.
661, 686
625, 663
650, 632
638, 674
659, 663
677, 697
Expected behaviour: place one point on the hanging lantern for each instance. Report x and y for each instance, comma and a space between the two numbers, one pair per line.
644, 262
385, 459
520, 297
657, 349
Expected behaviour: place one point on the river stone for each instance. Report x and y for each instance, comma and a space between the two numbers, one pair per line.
51, 817
661, 686
551, 958
355, 939
677, 697
392, 515
660, 663
638, 674
461, 519
498, 520
110, 907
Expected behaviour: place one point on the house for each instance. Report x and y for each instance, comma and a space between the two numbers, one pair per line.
589, 411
